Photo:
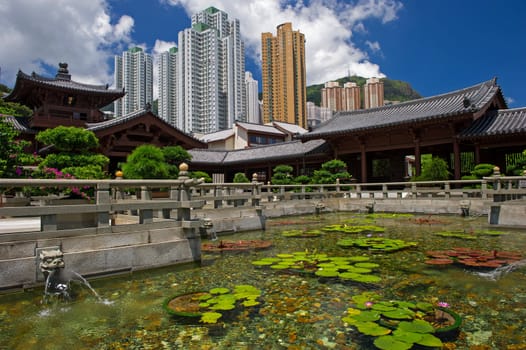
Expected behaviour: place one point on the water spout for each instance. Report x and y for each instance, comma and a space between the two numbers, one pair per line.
503, 270
57, 278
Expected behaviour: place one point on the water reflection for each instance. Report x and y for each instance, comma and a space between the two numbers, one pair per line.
299, 312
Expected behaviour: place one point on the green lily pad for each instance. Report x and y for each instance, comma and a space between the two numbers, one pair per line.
210, 317
408, 337
327, 273
430, 340
416, 326
399, 314
262, 263
219, 290
366, 316
388, 342
372, 329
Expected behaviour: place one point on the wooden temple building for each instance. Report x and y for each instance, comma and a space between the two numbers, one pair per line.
464, 127
62, 101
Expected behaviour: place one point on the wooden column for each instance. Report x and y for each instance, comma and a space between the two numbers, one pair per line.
456, 159
363, 161
418, 166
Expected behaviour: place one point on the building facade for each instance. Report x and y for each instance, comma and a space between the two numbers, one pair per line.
211, 74
284, 77
134, 74
373, 93
252, 100
167, 85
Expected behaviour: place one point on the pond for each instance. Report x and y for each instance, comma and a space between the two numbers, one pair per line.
297, 310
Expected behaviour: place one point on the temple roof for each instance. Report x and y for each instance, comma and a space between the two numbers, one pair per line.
267, 153
25, 83
497, 123
468, 100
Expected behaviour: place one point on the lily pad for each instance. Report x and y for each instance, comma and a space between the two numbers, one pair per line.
388, 342
210, 317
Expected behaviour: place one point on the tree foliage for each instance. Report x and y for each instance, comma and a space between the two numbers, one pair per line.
14, 109
146, 162
69, 139
74, 153
240, 178
282, 175
434, 169
12, 151
330, 171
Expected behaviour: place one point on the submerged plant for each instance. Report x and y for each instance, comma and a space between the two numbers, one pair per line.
345, 228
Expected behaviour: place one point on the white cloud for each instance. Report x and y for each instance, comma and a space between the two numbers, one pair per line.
36, 35
327, 24
374, 46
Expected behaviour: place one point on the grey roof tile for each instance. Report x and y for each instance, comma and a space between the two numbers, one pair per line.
467, 100
282, 150
495, 123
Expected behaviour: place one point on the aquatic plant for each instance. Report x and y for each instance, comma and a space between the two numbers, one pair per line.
376, 244
210, 306
344, 268
345, 228
474, 258
301, 233
225, 245
401, 324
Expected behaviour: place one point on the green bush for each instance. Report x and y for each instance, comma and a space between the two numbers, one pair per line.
240, 178
201, 174
330, 171
146, 162
435, 169
282, 175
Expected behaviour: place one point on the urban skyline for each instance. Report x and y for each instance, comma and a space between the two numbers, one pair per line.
435, 45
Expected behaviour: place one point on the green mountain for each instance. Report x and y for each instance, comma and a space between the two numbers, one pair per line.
394, 90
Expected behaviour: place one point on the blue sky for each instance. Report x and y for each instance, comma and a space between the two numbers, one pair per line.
435, 45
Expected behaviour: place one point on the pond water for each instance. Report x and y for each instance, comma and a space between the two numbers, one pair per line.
298, 311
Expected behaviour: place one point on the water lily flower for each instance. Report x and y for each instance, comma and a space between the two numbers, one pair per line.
443, 304
368, 304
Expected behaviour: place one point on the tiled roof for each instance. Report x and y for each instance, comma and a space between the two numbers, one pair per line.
131, 116
497, 123
217, 136
282, 150
68, 84
467, 100
291, 128
267, 129
20, 124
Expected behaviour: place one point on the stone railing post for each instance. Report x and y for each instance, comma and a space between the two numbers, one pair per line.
103, 200
145, 215
256, 195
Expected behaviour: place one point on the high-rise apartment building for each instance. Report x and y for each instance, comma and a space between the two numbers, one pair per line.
331, 96
252, 99
167, 85
351, 97
134, 73
284, 77
338, 98
211, 74
373, 93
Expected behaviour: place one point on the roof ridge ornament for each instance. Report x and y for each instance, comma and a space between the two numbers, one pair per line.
63, 73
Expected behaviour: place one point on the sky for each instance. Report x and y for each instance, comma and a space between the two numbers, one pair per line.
437, 46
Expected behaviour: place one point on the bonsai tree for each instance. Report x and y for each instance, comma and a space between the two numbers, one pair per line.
74, 152
282, 175
201, 174
146, 162
330, 171
174, 156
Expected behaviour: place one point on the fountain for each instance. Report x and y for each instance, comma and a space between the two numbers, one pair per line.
57, 278
502, 270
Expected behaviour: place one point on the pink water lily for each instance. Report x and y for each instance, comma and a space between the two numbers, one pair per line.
443, 304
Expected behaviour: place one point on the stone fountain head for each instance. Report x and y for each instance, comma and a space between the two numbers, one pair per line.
57, 278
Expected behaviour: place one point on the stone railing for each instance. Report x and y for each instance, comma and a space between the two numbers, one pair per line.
111, 197
149, 200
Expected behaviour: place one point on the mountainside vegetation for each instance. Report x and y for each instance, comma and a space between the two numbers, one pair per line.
394, 90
